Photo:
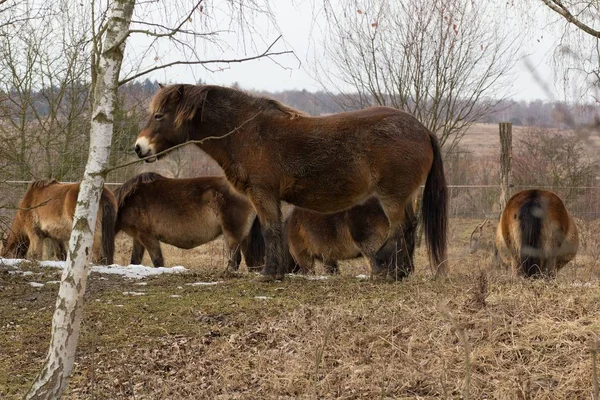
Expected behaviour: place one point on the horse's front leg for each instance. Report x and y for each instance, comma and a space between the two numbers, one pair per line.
268, 210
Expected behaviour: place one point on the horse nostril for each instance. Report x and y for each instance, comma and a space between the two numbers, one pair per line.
137, 149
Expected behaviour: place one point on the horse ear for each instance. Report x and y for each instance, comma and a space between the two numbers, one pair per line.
160, 85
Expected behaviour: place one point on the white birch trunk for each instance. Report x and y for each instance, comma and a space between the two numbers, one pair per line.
54, 376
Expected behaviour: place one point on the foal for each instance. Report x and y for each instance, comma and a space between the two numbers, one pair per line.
187, 213
361, 230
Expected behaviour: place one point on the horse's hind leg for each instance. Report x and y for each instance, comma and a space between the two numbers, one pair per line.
137, 253
390, 260
153, 246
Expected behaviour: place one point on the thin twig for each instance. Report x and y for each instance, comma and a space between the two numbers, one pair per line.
266, 53
198, 142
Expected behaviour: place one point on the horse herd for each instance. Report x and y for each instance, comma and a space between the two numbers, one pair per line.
352, 178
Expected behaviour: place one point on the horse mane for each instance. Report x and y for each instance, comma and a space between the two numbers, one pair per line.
42, 183
191, 98
127, 189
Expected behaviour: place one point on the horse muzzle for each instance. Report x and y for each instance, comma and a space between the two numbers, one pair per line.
144, 149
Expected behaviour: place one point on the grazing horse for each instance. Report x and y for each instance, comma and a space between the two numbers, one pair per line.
360, 230
271, 152
536, 235
187, 213
47, 210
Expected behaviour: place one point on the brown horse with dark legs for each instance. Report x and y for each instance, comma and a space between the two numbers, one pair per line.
536, 235
271, 152
47, 210
187, 213
361, 230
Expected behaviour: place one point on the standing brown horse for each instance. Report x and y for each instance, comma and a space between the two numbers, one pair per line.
360, 230
536, 235
46, 211
187, 213
271, 152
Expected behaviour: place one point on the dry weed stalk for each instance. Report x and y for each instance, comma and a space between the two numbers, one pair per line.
594, 352
462, 335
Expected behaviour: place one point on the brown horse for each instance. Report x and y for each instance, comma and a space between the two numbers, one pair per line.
271, 152
361, 230
536, 235
187, 213
46, 211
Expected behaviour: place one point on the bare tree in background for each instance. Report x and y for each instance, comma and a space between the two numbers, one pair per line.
578, 54
557, 159
436, 59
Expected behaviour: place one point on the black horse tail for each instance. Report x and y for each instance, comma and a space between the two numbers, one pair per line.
253, 247
435, 210
108, 206
530, 225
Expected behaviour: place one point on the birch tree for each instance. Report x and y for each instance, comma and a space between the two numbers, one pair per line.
66, 322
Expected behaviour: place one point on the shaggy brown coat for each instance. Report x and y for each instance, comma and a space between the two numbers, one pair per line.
187, 213
361, 230
47, 210
536, 236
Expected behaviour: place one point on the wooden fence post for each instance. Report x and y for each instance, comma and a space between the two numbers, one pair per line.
505, 162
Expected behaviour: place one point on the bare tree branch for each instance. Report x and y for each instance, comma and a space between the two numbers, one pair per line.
558, 7
266, 53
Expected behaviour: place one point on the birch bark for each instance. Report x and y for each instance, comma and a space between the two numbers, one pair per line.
54, 376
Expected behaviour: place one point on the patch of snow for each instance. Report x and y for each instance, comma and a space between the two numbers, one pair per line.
175, 296
317, 277
203, 283
11, 262
362, 276
142, 283
263, 297
27, 273
53, 283
118, 305
134, 294
136, 271
179, 287
53, 264
36, 284
130, 271
309, 277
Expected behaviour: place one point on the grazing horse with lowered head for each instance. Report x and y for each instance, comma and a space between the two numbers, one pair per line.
271, 152
360, 230
47, 210
187, 213
536, 236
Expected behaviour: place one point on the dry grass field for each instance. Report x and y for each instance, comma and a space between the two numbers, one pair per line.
480, 333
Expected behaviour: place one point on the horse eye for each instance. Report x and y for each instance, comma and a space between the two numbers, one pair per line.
158, 117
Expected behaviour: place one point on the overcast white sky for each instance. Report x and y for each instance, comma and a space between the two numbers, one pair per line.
302, 33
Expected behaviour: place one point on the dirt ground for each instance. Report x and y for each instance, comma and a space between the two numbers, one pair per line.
480, 333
